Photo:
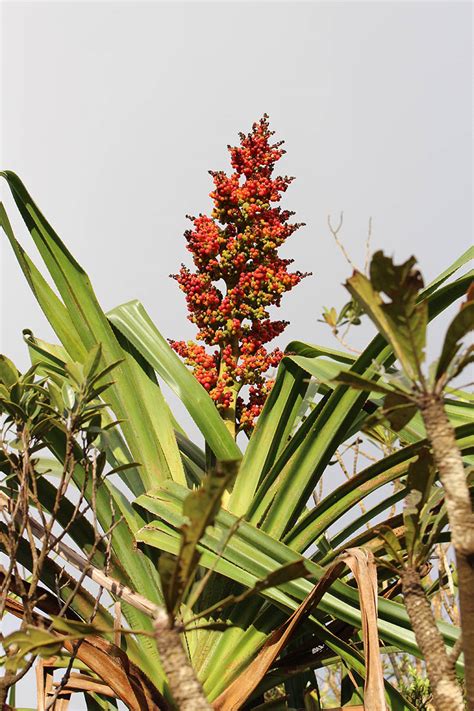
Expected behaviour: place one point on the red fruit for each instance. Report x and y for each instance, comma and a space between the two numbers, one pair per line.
237, 246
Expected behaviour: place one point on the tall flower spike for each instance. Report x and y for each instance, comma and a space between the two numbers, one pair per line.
238, 245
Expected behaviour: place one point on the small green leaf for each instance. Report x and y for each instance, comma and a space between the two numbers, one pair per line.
75, 628
31, 640
8, 372
68, 396
75, 371
399, 410
392, 543
92, 360
200, 508
98, 376
124, 467
359, 383
55, 395
420, 478
403, 319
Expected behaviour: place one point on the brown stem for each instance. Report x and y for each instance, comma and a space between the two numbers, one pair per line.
447, 694
5, 683
186, 689
229, 414
449, 463
4, 687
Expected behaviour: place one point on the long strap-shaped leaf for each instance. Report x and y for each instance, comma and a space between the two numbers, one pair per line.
339, 501
363, 568
465, 258
242, 651
298, 473
276, 422
254, 554
88, 322
134, 570
134, 323
50, 303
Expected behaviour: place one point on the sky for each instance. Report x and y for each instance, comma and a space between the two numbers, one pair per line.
113, 113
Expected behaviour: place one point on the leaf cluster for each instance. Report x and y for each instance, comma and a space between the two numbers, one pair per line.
250, 532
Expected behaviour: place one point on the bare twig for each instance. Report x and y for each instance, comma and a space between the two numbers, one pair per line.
335, 233
342, 339
367, 247
349, 477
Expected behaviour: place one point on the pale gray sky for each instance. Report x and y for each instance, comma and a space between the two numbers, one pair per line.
112, 114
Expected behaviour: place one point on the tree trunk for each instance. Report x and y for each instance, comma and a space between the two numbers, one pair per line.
449, 463
185, 688
447, 694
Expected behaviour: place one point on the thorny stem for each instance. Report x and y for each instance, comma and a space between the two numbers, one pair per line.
447, 694
186, 689
449, 463
335, 233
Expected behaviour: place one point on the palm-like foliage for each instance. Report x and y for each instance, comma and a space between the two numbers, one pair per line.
265, 521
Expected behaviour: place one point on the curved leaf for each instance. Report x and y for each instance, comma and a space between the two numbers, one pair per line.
132, 321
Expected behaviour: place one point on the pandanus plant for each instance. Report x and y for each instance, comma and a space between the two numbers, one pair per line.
230, 583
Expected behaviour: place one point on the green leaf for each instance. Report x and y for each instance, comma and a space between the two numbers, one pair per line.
76, 628
200, 508
359, 383
31, 640
421, 475
270, 435
287, 572
92, 361
392, 543
149, 443
399, 410
51, 305
465, 258
123, 467
134, 323
8, 372
69, 396
459, 327
403, 320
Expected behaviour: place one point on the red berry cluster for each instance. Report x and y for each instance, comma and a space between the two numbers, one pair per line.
238, 245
